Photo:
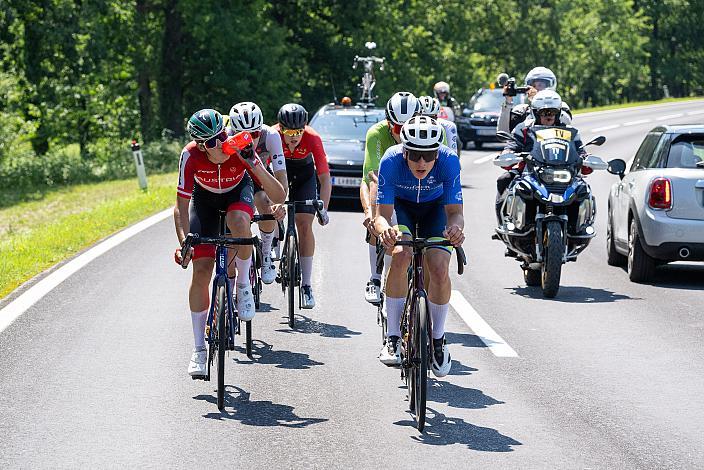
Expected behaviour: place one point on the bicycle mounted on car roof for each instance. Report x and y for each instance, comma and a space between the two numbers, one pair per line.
368, 81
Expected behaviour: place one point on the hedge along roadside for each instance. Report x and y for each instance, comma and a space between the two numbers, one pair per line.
31, 244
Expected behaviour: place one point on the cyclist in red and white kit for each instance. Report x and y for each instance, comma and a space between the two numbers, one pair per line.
305, 158
211, 179
247, 116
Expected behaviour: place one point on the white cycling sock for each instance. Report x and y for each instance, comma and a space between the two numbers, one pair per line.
372, 262
394, 308
306, 270
267, 239
243, 270
438, 313
198, 322
387, 265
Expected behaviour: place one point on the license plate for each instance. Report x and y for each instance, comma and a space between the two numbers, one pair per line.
490, 131
346, 181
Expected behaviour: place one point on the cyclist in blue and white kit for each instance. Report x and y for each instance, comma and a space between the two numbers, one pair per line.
247, 116
430, 106
420, 180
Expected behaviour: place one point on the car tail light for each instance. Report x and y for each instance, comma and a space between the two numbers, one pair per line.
660, 194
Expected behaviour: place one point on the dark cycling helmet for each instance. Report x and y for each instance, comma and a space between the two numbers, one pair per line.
292, 116
205, 124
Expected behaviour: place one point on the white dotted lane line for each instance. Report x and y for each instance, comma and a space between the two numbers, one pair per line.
606, 128
669, 116
635, 123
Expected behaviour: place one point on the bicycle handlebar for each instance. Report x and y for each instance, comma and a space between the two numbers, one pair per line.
193, 239
422, 243
316, 203
262, 217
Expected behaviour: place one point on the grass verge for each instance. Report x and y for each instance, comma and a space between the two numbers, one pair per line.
633, 105
36, 235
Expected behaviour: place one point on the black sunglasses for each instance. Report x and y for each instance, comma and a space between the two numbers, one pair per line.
416, 155
213, 141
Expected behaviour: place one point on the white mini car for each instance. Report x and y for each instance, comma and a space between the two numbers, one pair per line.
656, 211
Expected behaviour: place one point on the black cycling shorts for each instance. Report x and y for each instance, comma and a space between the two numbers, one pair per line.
302, 182
205, 206
421, 219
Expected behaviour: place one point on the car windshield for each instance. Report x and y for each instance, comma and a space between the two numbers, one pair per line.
489, 101
349, 125
687, 152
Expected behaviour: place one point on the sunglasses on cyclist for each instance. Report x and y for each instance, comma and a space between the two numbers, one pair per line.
292, 132
416, 155
213, 141
547, 113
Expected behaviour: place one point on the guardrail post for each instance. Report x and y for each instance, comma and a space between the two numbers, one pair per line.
139, 163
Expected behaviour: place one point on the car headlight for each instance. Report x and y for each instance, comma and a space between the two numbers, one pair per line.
552, 175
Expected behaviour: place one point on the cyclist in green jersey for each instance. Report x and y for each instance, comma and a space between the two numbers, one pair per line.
384, 134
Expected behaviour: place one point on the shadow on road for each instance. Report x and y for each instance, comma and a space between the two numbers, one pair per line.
326, 330
441, 430
265, 307
678, 276
240, 408
464, 339
572, 294
264, 353
441, 391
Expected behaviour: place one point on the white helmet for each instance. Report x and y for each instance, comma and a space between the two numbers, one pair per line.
401, 107
246, 116
421, 133
546, 99
441, 87
544, 74
429, 106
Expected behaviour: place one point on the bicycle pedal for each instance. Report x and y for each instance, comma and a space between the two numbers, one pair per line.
495, 237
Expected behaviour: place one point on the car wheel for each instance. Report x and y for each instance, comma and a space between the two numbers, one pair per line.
465, 145
613, 257
641, 266
478, 145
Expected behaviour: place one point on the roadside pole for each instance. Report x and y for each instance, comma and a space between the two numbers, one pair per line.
139, 163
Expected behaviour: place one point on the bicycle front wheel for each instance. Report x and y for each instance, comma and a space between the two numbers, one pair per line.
221, 342
291, 264
420, 362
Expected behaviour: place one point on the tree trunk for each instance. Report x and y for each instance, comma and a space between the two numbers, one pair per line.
144, 92
170, 84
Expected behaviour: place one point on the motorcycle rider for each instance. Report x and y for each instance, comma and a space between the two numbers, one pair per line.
546, 105
538, 79
442, 93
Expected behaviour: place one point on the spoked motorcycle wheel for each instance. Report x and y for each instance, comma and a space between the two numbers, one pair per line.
553, 251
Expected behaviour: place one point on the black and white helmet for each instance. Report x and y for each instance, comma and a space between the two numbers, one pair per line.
246, 116
429, 106
544, 74
421, 133
546, 99
401, 107
293, 116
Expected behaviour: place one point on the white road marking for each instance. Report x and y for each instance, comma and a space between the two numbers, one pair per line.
22, 303
635, 123
692, 113
669, 116
481, 160
606, 128
481, 328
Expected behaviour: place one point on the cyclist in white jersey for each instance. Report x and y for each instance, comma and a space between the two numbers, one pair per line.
247, 116
430, 106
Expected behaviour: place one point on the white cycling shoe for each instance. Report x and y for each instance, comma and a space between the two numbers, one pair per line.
372, 293
268, 270
245, 303
308, 299
390, 353
442, 361
196, 368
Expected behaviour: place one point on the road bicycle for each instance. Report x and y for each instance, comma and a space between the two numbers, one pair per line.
289, 266
417, 328
368, 81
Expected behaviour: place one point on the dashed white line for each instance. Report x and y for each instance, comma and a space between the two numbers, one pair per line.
22, 303
635, 123
481, 328
606, 128
669, 116
481, 160
692, 113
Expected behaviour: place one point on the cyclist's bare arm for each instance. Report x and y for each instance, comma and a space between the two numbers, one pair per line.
325, 188
455, 224
181, 220
273, 188
387, 233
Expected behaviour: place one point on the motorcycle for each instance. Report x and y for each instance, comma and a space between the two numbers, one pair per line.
547, 218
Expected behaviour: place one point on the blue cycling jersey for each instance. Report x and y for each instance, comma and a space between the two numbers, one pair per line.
397, 181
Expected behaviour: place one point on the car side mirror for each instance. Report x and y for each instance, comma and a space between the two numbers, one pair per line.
503, 136
617, 167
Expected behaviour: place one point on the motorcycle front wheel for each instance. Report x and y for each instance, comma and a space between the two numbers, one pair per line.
553, 250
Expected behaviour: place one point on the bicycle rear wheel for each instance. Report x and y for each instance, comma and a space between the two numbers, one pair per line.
254, 279
420, 362
221, 342
291, 265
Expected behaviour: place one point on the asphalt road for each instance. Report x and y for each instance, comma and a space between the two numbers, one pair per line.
609, 374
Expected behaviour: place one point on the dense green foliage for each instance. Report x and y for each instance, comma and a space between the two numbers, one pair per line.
79, 79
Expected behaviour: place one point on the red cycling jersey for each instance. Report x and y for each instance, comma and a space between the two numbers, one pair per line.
311, 143
195, 166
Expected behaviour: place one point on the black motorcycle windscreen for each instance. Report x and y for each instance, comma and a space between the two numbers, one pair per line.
554, 145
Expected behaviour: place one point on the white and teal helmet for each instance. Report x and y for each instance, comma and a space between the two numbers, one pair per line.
429, 105
205, 124
246, 116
